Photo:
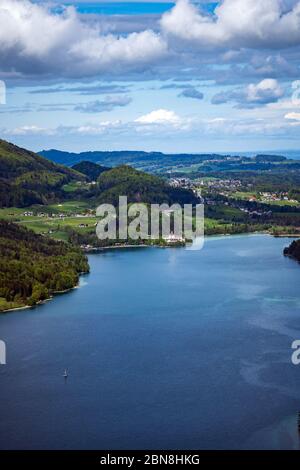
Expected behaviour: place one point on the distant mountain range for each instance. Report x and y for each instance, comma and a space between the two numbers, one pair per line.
27, 178
157, 162
125, 157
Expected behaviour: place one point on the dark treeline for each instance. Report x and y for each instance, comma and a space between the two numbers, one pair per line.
32, 267
137, 159
293, 250
155, 161
90, 169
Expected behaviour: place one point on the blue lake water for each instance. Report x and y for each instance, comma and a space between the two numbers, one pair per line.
165, 348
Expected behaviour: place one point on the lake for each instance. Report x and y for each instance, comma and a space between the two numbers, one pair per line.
165, 348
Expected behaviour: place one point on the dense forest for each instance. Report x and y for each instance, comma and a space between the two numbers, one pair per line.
27, 178
32, 267
91, 170
139, 187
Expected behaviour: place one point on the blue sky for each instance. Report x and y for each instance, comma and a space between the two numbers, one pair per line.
124, 8
131, 8
195, 77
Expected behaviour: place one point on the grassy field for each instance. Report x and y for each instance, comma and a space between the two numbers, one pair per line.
185, 169
213, 224
67, 207
282, 203
246, 196
75, 185
77, 216
52, 224
55, 227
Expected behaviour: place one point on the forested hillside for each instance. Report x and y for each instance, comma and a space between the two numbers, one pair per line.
32, 267
139, 187
90, 169
27, 178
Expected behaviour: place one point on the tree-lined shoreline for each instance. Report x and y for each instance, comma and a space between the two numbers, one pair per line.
48, 218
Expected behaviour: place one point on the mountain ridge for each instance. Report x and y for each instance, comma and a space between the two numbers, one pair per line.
177, 163
27, 178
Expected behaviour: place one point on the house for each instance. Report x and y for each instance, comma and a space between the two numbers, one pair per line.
173, 238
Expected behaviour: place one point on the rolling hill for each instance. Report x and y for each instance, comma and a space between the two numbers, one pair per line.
90, 169
155, 162
27, 178
139, 187
184, 164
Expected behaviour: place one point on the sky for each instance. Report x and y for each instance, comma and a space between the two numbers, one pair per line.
158, 76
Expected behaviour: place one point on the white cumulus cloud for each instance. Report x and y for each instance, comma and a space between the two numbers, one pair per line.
236, 23
293, 116
34, 40
255, 94
266, 91
160, 116
28, 130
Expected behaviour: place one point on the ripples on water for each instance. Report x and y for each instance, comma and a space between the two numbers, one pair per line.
165, 348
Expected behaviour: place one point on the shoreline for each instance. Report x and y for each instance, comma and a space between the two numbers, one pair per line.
95, 250
287, 235
41, 302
